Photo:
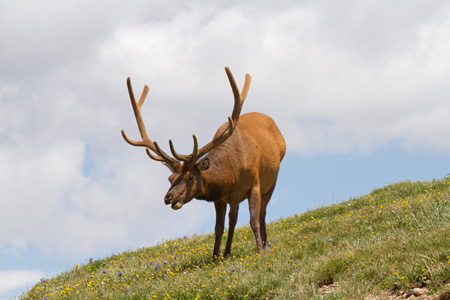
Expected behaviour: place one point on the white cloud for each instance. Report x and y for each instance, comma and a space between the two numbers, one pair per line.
335, 77
14, 279
48, 200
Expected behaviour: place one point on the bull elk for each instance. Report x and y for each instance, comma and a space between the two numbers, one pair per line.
241, 162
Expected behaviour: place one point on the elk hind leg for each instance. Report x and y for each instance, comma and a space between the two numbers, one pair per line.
221, 209
254, 204
262, 217
232, 217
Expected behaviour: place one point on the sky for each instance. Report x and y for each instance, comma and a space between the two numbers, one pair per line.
359, 89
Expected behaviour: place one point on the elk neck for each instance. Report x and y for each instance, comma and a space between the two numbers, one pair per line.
220, 178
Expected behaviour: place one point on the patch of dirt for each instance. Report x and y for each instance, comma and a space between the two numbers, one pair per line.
416, 292
328, 289
442, 295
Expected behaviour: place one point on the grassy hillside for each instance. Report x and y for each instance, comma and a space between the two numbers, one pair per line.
395, 237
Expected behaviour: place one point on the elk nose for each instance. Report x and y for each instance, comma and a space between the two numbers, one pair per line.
168, 199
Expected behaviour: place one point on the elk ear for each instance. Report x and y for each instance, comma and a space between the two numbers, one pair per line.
203, 165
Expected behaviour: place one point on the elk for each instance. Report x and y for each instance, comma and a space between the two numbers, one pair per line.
241, 162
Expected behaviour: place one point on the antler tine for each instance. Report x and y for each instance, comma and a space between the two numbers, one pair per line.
226, 134
152, 156
132, 142
146, 141
137, 113
191, 157
239, 97
195, 150
246, 87
166, 157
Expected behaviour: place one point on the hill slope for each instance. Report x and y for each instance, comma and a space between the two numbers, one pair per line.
395, 237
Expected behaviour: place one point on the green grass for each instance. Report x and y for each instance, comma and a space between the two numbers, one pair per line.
388, 240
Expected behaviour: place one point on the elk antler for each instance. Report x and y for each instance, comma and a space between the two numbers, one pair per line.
162, 156
239, 98
146, 141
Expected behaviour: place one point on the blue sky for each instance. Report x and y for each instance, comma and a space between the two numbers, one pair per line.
358, 89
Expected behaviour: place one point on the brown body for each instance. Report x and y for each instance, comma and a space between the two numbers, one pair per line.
244, 167
241, 162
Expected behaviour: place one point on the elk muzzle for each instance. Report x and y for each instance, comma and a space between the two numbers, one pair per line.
168, 199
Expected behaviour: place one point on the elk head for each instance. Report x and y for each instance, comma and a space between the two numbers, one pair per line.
187, 170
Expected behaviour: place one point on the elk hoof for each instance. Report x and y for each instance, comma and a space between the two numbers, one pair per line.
177, 205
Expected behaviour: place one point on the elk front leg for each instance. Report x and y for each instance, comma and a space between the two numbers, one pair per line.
232, 217
254, 204
221, 209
